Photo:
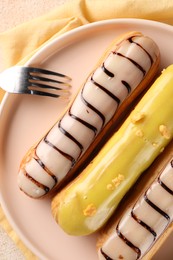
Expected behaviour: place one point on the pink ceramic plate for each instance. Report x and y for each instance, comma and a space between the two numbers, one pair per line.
24, 119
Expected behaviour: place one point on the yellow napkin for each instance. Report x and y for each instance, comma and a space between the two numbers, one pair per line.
20, 43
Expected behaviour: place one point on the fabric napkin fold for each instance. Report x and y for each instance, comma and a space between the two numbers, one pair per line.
20, 43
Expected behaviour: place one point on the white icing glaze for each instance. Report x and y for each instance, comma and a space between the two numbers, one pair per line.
166, 176
165, 203
37, 172
155, 221
147, 45
140, 236
79, 109
112, 63
29, 187
99, 98
72, 126
54, 161
110, 84
91, 95
56, 137
109, 249
137, 54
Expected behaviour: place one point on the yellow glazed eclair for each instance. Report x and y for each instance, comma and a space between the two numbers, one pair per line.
144, 219
121, 75
87, 203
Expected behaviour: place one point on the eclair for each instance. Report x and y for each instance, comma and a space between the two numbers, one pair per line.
88, 202
121, 75
145, 221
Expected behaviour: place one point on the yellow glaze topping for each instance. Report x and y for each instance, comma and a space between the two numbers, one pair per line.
87, 204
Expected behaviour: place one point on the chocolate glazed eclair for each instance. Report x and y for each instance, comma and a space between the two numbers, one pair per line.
123, 72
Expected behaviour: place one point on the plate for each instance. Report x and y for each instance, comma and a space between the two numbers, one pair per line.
24, 119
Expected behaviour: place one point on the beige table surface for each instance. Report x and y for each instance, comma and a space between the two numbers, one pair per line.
14, 12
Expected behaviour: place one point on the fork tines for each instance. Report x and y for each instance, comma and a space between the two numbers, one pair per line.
49, 72
37, 80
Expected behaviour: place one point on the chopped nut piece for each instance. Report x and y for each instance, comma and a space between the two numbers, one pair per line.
137, 117
90, 210
120, 257
121, 177
164, 131
110, 186
139, 133
154, 144
116, 181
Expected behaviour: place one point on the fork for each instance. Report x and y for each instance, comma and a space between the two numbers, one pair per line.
34, 81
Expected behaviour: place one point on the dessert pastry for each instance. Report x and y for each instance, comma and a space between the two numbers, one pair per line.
145, 220
121, 75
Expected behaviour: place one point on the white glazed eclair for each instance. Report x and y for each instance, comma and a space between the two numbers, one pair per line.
121, 75
140, 228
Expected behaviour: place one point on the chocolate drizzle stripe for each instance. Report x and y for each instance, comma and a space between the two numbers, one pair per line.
130, 244
171, 162
67, 156
164, 214
128, 87
105, 255
46, 169
109, 73
93, 108
132, 61
110, 94
143, 224
150, 57
165, 187
38, 184
93, 128
70, 136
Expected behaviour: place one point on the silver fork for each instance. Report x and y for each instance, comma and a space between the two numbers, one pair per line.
34, 81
